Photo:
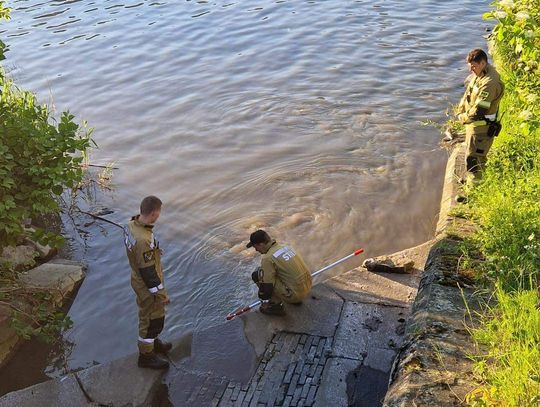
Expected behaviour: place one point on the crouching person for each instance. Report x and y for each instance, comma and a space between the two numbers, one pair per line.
283, 275
147, 281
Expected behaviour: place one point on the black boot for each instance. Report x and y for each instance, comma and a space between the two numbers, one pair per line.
162, 346
271, 308
152, 361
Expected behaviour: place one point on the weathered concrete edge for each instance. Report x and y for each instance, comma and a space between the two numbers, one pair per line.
433, 367
62, 278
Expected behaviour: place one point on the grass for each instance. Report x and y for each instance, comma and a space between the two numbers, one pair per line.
510, 367
506, 208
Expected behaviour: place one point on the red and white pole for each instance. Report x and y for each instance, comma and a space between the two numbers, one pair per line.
241, 311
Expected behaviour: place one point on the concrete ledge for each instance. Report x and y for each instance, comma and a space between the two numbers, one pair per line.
120, 383
60, 278
60, 392
433, 366
455, 168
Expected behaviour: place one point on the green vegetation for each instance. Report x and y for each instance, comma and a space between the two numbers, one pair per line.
506, 206
39, 158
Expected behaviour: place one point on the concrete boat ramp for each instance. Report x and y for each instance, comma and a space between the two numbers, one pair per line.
336, 349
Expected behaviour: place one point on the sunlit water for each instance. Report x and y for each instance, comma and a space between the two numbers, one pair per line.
301, 117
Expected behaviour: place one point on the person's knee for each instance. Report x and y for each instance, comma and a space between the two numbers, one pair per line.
266, 291
155, 327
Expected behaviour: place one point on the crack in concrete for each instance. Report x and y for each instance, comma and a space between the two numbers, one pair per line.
87, 396
340, 313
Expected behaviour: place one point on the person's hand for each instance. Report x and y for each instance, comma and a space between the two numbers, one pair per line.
166, 300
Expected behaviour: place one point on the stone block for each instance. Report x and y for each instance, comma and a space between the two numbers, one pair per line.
64, 391
223, 350
307, 319
121, 383
364, 327
333, 388
18, 257
386, 289
58, 278
380, 359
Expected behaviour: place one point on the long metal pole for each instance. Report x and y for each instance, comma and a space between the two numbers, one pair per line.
241, 311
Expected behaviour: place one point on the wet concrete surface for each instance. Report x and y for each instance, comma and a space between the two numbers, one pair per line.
337, 349
366, 387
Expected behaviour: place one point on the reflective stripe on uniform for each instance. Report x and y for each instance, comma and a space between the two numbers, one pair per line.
484, 104
154, 290
478, 123
146, 340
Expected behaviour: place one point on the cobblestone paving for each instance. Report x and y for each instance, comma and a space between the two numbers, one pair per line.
288, 374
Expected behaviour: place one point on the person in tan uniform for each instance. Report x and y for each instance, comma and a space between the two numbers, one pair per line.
478, 107
144, 257
283, 275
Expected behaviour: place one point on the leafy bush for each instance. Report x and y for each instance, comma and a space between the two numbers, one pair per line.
4, 15
38, 159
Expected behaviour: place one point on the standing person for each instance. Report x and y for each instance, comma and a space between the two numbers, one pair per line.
478, 107
283, 275
144, 257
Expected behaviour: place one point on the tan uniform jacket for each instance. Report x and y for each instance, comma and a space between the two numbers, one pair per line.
144, 257
284, 264
481, 97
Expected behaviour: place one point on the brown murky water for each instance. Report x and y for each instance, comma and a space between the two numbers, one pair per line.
301, 117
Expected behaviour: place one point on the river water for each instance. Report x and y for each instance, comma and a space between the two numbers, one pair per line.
300, 117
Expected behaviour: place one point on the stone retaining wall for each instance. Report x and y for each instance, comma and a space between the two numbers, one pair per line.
433, 367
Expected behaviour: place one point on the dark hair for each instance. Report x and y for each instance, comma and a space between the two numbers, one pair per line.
259, 236
477, 55
150, 204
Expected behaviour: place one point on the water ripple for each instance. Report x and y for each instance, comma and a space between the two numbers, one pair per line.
299, 117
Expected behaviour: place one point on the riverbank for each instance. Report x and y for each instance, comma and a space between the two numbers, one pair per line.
336, 348
435, 365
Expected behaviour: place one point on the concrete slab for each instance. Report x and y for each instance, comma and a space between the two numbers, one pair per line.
384, 288
58, 278
187, 388
223, 350
64, 391
364, 327
333, 388
380, 359
318, 315
366, 387
181, 348
376, 288
121, 383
